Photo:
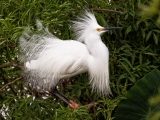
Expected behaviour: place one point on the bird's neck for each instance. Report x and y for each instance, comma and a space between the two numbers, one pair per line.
96, 47
98, 64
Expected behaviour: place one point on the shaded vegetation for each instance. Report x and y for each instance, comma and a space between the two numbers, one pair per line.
146, 106
134, 51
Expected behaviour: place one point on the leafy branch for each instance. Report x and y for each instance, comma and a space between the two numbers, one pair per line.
1, 89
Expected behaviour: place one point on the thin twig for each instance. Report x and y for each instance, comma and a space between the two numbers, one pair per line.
9, 83
6, 65
10, 65
102, 9
88, 106
10, 46
6, 81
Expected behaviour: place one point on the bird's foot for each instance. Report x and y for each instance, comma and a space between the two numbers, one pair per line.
73, 104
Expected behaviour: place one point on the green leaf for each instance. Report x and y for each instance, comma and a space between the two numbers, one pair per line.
155, 39
129, 29
2, 42
143, 33
135, 27
126, 16
147, 53
103, 21
78, 92
132, 13
133, 58
148, 35
138, 22
158, 31
137, 106
140, 58
127, 61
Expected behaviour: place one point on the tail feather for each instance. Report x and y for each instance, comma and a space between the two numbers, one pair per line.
31, 45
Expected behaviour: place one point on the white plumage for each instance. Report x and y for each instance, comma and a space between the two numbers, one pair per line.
49, 59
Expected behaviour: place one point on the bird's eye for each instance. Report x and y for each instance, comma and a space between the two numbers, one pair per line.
99, 29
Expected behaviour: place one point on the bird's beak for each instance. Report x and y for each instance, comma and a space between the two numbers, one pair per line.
107, 29
111, 28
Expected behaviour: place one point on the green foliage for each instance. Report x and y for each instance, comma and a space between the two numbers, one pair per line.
134, 51
148, 11
28, 108
155, 101
141, 99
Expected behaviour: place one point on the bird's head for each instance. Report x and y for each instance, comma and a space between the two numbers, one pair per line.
86, 25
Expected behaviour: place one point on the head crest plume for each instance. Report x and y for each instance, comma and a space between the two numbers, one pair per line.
83, 24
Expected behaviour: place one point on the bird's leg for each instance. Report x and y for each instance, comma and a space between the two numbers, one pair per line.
59, 95
56, 93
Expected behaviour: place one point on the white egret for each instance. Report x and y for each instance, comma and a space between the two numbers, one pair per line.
49, 59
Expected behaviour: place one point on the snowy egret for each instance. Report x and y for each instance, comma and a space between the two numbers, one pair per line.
48, 59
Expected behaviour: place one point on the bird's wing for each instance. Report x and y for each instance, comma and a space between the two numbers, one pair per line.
49, 59
60, 58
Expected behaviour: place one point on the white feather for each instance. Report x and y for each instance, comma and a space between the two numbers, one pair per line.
32, 64
49, 59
